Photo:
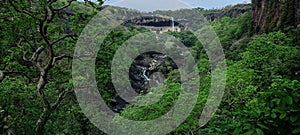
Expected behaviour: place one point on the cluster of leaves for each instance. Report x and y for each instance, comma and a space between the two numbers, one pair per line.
262, 94
233, 33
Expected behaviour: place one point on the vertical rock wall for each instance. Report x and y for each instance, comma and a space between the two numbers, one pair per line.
272, 15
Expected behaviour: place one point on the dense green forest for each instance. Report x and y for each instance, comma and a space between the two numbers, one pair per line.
38, 38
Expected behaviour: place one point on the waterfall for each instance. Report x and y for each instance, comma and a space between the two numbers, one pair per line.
144, 74
173, 25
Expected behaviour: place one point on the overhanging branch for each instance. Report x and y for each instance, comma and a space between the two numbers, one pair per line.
65, 6
60, 58
37, 53
13, 73
62, 38
61, 96
21, 10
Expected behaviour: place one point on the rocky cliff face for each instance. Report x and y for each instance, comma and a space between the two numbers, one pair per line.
141, 71
147, 71
163, 18
232, 12
271, 15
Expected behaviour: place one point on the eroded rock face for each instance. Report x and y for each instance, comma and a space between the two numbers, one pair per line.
272, 15
148, 70
147, 64
231, 12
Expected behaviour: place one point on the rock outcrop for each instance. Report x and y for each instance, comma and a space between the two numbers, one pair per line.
272, 15
144, 66
229, 11
144, 74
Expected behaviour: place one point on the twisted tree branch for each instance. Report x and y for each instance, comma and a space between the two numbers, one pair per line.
21, 10
58, 58
65, 6
61, 96
63, 38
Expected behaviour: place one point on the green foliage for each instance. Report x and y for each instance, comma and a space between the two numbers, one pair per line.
262, 94
186, 37
288, 13
271, 96
272, 54
18, 104
233, 33
262, 89
24, 32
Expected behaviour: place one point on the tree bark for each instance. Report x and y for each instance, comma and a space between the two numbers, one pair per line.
40, 125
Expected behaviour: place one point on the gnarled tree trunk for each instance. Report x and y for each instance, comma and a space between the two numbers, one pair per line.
40, 125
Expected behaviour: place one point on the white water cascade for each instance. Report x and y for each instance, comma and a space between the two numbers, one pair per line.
173, 25
145, 76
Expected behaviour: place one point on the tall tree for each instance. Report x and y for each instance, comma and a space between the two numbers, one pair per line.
38, 35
